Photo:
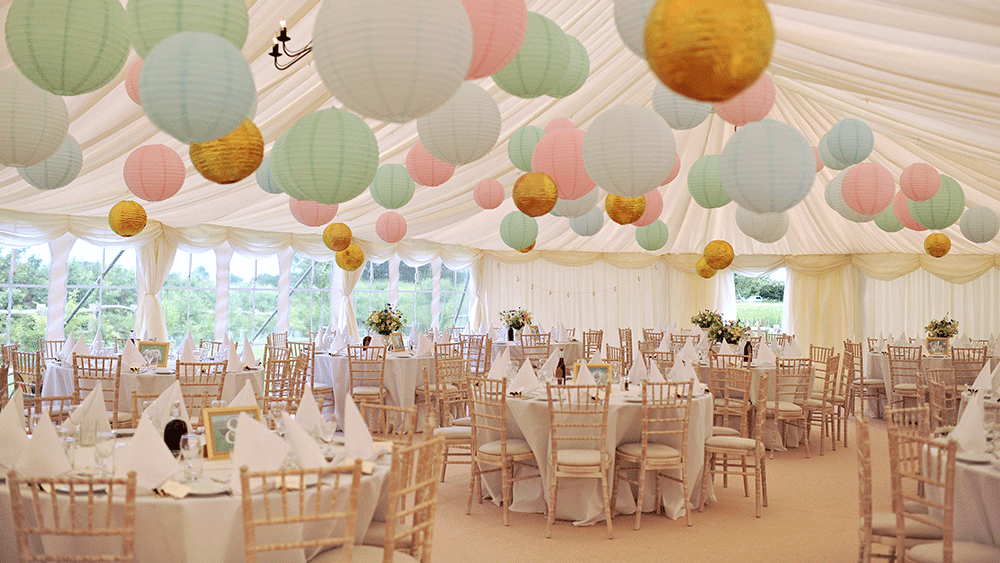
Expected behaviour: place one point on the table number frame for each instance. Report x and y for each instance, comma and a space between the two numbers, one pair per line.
217, 427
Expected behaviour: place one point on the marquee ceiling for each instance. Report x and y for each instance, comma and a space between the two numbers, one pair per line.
924, 74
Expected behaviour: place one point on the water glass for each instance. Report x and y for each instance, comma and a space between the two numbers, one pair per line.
69, 447
104, 446
88, 433
191, 451
217, 404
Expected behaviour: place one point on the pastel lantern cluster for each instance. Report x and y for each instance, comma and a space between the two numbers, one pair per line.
310, 213
390, 227
679, 111
942, 210
154, 172
33, 122
901, 209
464, 128
888, 222
629, 150
767, 167
152, 21
752, 104
518, 230
392, 187
488, 193
559, 154
58, 170
498, 28
835, 199
425, 169
654, 208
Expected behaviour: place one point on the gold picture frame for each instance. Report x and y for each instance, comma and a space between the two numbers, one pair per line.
533, 329
938, 346
159, 350
396, 343
220, 425
601, 371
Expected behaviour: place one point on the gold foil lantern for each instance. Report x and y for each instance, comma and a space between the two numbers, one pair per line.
703, 269
535, 194
337, 237
719, 254
231, 158
709, 50
625, 210
127, 218
937, 244
527, 250
351, 258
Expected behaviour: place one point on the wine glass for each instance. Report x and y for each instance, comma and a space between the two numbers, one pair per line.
191, 451
104, 446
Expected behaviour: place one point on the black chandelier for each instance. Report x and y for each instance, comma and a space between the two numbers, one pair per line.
277, 52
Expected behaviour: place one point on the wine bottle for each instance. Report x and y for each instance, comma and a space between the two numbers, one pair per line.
748, 352
175, 429
561, 372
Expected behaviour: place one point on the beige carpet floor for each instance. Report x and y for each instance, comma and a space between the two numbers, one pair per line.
811, 516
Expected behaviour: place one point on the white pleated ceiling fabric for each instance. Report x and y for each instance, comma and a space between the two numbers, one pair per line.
924, 74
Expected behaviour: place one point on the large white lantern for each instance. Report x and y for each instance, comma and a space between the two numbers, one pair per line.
630, 19
629, 150
33, 122
464, 129
767, 166
979, 224
572, 208
679, 111
763, 227
58, 170
588, 224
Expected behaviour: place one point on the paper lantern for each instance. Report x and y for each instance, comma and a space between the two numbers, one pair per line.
462, 129
231, 158
337, 236
752, 104
625, 210
719, 254
152, 21
901, 209
630, 19
351, 258
488, 193
132, 82
942, 210
527, 250
708, 50
654, 207
328, 156
849, 141
392, 187
763, 227
653, 236
588, 224
393, 60
887, 221
425, 169
33, 122
67, 47
127, 218
58, 170
629, 150
559, 154
310, 213
559, 123
703, 269
979, 224
767, 167
827, 158
535, 194
264, 177
674, 171
868, 188
819, 163
577, 70
154, 172
835, 199
937, 244
705, 182
571, 208
522, 145
680, 112
518, 231
498, 28
196, 86
540, 63
919, 181
390, 227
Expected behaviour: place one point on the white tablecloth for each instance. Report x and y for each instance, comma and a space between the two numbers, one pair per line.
876, 366
402, 376
977, 496
571, 351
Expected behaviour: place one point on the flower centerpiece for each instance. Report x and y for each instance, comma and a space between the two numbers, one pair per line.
515, 319
945, 328
707, 319
730, 331
385, 321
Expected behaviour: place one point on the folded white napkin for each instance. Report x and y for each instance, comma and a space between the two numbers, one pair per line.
970, 432
338, 344
66, 352
984, 381
548, 369
233, 357
725, 348
584, 377
91, 410
256, 447
777, 350
248, 358
563, 333
189, 342
188, 354
525, 381
655, 375
672, 329
499, 368
792, 349
80, 349
13, 438
303, 445
425, 349
765, 357
97, 346
308, 415
147, 455
665, 344
637, 373
596, 358
159, 410
44, 455
357, 438
687, 352
995, 377
442, 338
131, 357
245, 398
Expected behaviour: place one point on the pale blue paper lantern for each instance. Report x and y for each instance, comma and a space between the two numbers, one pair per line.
540, 63
629, 150
264, 177
630, 19
152, 21
705, 182
33, 122
979, 224
849, 141
679, 111
572, 208
464, 128
888, 222
588, 224
828, 159
522, 144
835, 199
653, 236
518, 231
392, 187
577, 70
196, 86
58, 170
767, 166
942, 210
762, 227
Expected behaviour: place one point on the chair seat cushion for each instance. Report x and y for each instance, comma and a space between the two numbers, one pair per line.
363, 554
905, 387
514, 447
464, 421
873, 382
375, 536
578, 457
963, 552
454, 432
724, 431
658, 451
447, 388
366, 391
915, 507
783, 407
815, 403
884, 524
731, 443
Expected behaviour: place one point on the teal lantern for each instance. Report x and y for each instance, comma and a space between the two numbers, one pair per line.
392, 188
521, 146
653, 236
328, 156
942, 210
828, 159
835, 199
196, 86
152, 21
577, 70
979, 224
680, 112
540, 63
767, 166
588, 224
33, 122
849, 141
705, 183
518, 231
57, 170
264, 177
888, 222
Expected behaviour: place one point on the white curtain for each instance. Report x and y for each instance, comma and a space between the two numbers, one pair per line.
59, 250
344, 283
223, 256
155, 259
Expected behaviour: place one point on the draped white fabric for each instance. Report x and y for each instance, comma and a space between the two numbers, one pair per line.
223, 255
154, 262
59, 249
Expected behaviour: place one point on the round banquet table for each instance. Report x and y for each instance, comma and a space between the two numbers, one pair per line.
977, 496
403, 373
571, 351
876, 366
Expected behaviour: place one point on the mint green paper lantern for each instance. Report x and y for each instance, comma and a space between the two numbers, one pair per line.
942, 210
392, 187
522, 144
67, 47
196, 86
653, 236
577, 70
590, 223
33, 122
58, 170
152, 21
540, 63
329, 156
979, 224
264, 177
518, 231
849, 141
887, 221
705, 183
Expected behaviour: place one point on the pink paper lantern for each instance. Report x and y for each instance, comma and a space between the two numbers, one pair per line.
674, 171
390, 226
489, 193
868, 188
901, 209
752, 104
132, 82
819, 163
654, 207
559, 123
498, 28
311, 213
560, 155
425, 169
154, 172
920, 181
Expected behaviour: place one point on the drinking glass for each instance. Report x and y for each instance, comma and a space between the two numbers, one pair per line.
68, 444
191, 450
88, 433
104, 446
274, 413
217, 404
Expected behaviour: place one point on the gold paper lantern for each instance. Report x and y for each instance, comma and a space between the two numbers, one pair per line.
351, 258
337, 236
529, 249
625, 210
703, 269
709, 50
231, 158
719, 254
535, 194
937, 244
127, 218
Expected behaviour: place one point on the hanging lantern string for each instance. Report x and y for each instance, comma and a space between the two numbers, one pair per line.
283, 38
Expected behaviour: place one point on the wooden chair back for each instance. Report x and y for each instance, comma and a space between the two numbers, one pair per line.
625, 340
535, 348
666, 413
413, 498
967, 363
281, 383
651, 334
448, 387
791, 380
277, 340
664, 360
475, 352
615, 356
592, 340
578, 417
296, 349
718, 364
488, 409
732, 397
367, 366
782, 339
819, 354
913, 420
944, 395
88, 371
645, 348
212, 348
390, 423
27, 369
58, 407
905, 364
50, 348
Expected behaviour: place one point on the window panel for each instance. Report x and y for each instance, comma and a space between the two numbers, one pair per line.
24, 287
371, 291
188, 296
101, 291
310, 297
253, 298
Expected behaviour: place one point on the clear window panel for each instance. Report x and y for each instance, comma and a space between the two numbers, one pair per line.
101, 291
188, 296
759, 301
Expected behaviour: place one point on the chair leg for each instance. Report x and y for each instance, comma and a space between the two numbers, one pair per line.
763, 479
508, 490
606, 492
553, 494
642, 492
707, 473
758, 485
444, 465
473, 473
746, 482
684, 484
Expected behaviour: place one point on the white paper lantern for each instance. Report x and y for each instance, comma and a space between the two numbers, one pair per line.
979, 224
767, 166
630, 19
763, 227
33, 122
572, 208
588, 224
58, 170
679, 111
393, 60
629, 150
464, 128
835, 199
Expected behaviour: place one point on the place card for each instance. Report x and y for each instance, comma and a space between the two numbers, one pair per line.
174, 489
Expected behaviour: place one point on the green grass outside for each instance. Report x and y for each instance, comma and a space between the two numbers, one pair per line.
763, 314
